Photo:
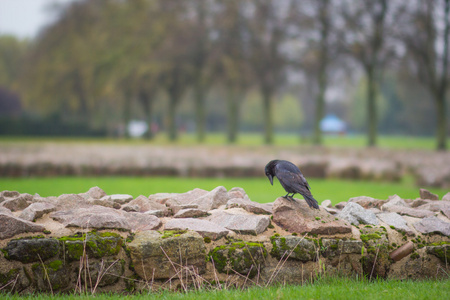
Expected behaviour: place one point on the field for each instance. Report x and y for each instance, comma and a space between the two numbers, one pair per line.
325, 288
258, 189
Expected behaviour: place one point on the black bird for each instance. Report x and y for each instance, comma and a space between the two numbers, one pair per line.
292, 180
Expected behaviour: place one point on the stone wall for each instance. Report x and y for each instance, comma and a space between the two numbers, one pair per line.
94, 242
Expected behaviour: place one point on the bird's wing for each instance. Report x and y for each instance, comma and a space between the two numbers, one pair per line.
292, 179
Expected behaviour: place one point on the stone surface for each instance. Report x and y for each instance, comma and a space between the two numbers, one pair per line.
155, 256
51, 276
17, 203
144, 204
446, 197
96, 192
426, 194
394, 201
104, 273
191, 213
239, 257
433, 224
402, 251
250, 206
294, 247
440, 251
179, 199
326, 203
32, 250
70, 201
11, 226
394, 219
356, 214
367, 202
341, 205
142, 221
419, 202
299, 217
241, 223
37, 210
413, 212
121, 198
203, 227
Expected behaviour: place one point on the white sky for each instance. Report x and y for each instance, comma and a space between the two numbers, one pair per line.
24, 18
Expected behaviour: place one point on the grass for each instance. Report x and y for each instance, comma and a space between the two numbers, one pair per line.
326, 288
251, 139
258, 189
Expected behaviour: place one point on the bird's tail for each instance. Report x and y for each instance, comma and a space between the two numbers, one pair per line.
311, 201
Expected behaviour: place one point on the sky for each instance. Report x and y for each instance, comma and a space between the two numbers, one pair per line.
24, 18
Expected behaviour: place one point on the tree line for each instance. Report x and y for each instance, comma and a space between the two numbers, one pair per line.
101, 61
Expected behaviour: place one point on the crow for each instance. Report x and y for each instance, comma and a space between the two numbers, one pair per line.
291, 179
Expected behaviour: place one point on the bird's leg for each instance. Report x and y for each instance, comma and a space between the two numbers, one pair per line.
292, 197
286, 196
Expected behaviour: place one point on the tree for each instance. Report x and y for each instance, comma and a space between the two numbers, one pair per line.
425, 32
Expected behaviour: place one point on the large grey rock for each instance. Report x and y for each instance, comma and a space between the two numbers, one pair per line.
241, 223
10, 194
37, 210
96, 192
11, 226
17, 203
297, 216
178, 199
238, 192
433, 224
250, 206
435, 206
446, 197
71, 201
394, 219
204, 199
159, 256
367, 202
51, 276
356, 214
191, 213
394, 201
105, 201
426, 194
203, 227
104, 217
31, 250
104, 273
412, 212
294, 247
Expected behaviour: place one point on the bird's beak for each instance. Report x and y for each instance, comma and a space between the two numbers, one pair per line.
270, 179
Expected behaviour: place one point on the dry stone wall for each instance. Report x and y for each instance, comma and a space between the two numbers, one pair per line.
98, 242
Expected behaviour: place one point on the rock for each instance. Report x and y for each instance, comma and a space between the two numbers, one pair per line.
426, 194
91, 244
11, 226
413, 212
10, 194
239, 257
433, 224
52, 276
394, 219
96, 193
94, 217
131, 208
162, 197
17, 203
104, 273
121, 198
177, 208
145, 204
105, 201
419, 202
355, 214
446, 211
331, 210
299, 217
191, 213
70, 201
240, 223
402, 252
203, 227
326, 203
446, 197
156, 213
6, 211
142, 221
250, 206
435, 206
31, 250
350, 246
394, 201
341, 205
440, 251
293, 247
36, 211
213, 199
179, 199
158, 256
367, 202
237, 192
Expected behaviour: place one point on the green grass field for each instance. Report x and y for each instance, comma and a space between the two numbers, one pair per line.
252, 139
328, 288
258, 189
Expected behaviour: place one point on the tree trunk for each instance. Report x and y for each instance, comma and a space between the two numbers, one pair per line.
233, 116
268, 120
147, 104
371, 109
200, 112
126, 113
320, 107
171, 122
441, 133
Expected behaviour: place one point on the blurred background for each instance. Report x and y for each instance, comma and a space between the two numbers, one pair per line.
319, 79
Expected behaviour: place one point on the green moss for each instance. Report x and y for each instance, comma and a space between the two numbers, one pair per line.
55, 265
171, 233
368, 226
207, 239
415, 255
5, 278
371, 236
334, 246
47, 231
318, 218
392, 227
270, 226
295, 234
